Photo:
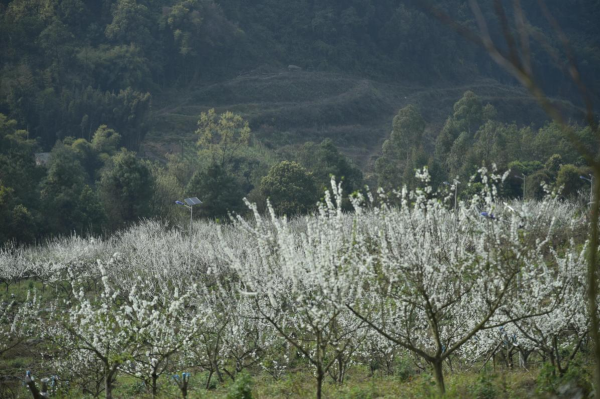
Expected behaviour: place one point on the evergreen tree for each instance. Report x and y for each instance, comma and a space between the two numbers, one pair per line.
568, 179
126, 189
291, 189
61, 191
325, 160
219, 191
400, 150
92, 217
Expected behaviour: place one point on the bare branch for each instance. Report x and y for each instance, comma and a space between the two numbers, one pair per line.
403, 344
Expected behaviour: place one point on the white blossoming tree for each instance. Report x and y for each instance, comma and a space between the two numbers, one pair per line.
299, 280
171, 329
246, 339
560, 334
18, 321
104, 327
441, 276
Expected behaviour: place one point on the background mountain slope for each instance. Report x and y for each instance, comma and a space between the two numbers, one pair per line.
111, 109
68, 67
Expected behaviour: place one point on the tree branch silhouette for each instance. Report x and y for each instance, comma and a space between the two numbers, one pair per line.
517, 62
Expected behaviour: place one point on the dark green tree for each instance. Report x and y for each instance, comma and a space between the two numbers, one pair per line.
219, 191
106, 142
16, 222
534, 184
568, 178
116, 68
291, 189
19, 179
61, 191
92, 217
491, 144
130, 23
455, 145
126, 189
6, 207
167, 188
468, 112
551, 140
23, 227
325, 160
514, 184
418, 159
17, 161
445, 140
553, 164
399, 149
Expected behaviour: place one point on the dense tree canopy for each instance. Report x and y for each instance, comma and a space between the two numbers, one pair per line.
68, 67
472, 138
437, 266
219, 190
126, 188
290, 188
399, 150
78, 78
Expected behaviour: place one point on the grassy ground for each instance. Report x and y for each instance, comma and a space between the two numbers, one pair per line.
358, 386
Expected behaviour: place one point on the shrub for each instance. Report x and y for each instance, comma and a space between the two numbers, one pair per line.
484, 387
241, 388
569, 179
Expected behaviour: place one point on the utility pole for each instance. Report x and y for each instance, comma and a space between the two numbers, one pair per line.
591, 180
189, 203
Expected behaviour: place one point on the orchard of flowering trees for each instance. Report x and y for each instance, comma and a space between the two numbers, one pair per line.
404, 275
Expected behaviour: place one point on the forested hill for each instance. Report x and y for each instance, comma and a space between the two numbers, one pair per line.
92, 92
68, 67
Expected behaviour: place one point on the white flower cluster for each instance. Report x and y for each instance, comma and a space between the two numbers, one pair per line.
442, 280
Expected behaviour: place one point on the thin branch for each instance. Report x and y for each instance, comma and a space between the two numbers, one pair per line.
412, 348
481, 324
483, 39
513, 55
523, 36
573, 70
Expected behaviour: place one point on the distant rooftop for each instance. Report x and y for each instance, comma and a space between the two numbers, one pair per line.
42, 158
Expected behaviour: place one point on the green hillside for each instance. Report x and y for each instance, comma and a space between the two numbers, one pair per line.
110, 110
68, 67
291, 107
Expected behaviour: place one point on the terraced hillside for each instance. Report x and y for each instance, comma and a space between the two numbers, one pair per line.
290, 107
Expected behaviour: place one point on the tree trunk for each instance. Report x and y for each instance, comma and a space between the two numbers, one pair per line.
154, 384
320, 376
553, 363
210, 373
219, 374
341, 370
108, 381
449, 360
509, 359
592, 274
439, 376
524, 358
389, 366
34, 390
184, 389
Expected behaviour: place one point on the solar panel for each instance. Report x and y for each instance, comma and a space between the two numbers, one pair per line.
192, 201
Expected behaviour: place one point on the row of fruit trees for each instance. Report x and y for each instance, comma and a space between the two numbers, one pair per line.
406, 274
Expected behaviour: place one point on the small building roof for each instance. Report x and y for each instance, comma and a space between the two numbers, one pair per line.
42, 158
